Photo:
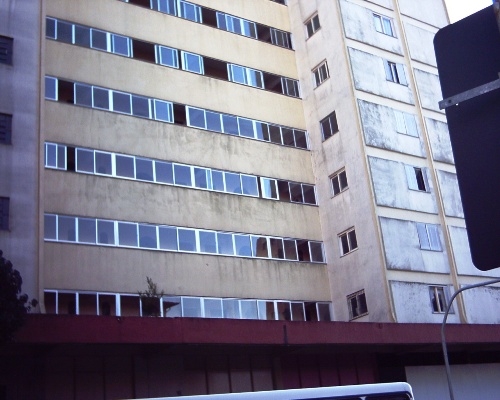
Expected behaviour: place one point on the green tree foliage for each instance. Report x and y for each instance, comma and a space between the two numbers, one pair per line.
150, 299
13, 305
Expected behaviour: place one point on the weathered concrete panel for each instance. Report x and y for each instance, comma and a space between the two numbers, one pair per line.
379, 128
450, 194
429, 89
369, 76
420, 42
439, 138
481, 305
391, 187
384, 3
355, 16
461, 251
420, 10
412, 303
402, 248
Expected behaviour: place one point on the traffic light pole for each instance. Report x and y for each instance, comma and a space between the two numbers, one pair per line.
443, 325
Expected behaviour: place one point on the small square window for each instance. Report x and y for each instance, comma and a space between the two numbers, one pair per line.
329, 126
417, 179
428, 235
6, 50
383, 25
5, 128
312, 25
4, 213
439, 299
357, 305
339, 182
320, 73
348, 242
395, 72
192, 62
406, 123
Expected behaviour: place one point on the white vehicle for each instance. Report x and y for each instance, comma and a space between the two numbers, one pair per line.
379, 391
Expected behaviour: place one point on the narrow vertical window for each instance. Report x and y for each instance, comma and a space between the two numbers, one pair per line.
329, 125
5, 128
356, 303
4, 213
348, 242
320, 73
428, 235
417, 179
395, 72
439, 300
339, 182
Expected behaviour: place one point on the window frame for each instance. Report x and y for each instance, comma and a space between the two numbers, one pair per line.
348, 236
337, 176
416, 178
185, 62
320, 73
439, 294
333, 125
395, 72
429, 237
360, 299
6, 50
381, 27
247, 75
4, 213
311, 23
406, 123
6, 128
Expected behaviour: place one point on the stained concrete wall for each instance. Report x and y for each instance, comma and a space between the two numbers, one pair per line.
369, 76
391, 187
420, 10
439, 139
481, 305
384, 3
379, 129
19, 161
420, 44
355, 16
412, 303
429, 89
402, 248
450, 194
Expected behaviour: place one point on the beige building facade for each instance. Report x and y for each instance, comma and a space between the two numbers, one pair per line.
257, 160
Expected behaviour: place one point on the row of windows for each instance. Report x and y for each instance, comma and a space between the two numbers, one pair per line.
217, 19
82, 230
97, 162
6, 50
113, 304
5, 128
139, 106
68, 32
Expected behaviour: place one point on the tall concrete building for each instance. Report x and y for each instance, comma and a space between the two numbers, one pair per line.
258, 160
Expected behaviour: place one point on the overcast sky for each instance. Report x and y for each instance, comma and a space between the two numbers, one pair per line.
458, 9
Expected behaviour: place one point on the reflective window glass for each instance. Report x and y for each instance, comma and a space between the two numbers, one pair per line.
147, 236
100, 98
121, 102
249, 185
66, 228
103, 163
144, 169
309, 194
168, 237
246, 127
163, 111
213, 121
86, 230
296, 192
182, 175
268, 187
50, 28
259, 246
212, 308
85, 160
82, 35
207, 242
192, 62
99, 40
218, 181
50, 227
233, 183
164, 172
225, 243
105, 232
191, 307
276, 245
248, 309
290, 249
127, 234
83, 95
168, 56
201, 178
316, 249
125, 166
262, 130
196, 117
187, 239
230, 124
140, 106
50, 88
243, 245
121, 45
64, 32
231, 308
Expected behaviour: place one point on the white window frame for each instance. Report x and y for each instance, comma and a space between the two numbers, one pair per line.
315, 25
158, 55
349, 244
184, 62
56, 147
280, 38
273, 182
429, 237
406, 123
181, 11
56, 87
285, 82
357, 295
247, 76
336, 176
320, 73
437, 292
395, 72
381, 26
411, 178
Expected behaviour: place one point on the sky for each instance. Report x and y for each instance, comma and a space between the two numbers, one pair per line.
458, 9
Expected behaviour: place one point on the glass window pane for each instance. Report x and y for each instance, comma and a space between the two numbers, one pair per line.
268, 187
83, 95
192, 63
303, 250
233, 183
259, 246
262, 130
99, 40
343, 180
238, 74
316, 251
64, 32
324, 312
283, 190
248, 309
125, 166
288, 137
147, 236
85, 160
50, 88
105, 232
164, 172
168, 56
101, 98
230, 124
213, 121
275, 134
352, 240
254, 78
284, 313
218, 181
50, 155
66, 228
250, 186
191, 307
50, 228
168, 237
207, 242
225, 243
163, 111
144, 169
309, 195
290, 249
50, 28
196, 117
127, 234
140, 106
121, 102
213, 308
82, 36
276, 245
121, 45
182, 175
103, 163
187, 239
246, 127
86, 230
201, 178
243, 245
344, 244
231, 308
298, 312
296, 192
166, 6
172, 307
300, 139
